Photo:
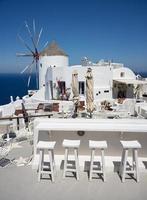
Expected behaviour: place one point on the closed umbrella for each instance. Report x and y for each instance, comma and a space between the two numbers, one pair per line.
75, 86
75, 91
89, 92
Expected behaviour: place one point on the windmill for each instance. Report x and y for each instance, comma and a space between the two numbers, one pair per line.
32, 49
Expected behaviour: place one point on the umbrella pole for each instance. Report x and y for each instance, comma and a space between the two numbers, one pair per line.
90, 115
75, 111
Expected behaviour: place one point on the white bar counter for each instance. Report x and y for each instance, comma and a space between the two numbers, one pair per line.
88, 125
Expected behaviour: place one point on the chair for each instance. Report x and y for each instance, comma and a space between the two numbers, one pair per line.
97, 145
133, 145
71, 144
48, 146
127, 106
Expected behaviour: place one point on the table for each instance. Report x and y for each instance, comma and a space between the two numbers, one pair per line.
10, 118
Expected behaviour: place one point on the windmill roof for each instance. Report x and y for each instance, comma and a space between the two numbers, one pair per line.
53, 50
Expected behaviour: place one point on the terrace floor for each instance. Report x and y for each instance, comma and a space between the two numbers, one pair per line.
21, 183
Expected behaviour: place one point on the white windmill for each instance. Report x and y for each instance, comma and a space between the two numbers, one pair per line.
32, 50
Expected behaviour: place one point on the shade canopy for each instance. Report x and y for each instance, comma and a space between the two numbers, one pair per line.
131, 81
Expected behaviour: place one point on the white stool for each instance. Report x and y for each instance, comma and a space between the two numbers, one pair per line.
49, 146
71, 144
133, 145
101, 145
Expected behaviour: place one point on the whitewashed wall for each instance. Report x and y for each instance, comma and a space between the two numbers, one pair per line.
102, 79
128, 73
47, 61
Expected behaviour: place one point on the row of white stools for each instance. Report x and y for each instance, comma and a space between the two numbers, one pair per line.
43, 146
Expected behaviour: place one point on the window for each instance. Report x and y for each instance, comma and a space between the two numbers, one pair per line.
122, 74
62, 87
81, 87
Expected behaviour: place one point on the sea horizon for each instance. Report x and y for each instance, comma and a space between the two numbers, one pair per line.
15, 84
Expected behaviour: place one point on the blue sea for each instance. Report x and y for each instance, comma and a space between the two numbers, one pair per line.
16, 85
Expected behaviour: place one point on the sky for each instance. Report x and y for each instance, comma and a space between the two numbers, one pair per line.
113, 30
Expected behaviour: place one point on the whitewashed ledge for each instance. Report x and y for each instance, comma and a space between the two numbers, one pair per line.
112, 130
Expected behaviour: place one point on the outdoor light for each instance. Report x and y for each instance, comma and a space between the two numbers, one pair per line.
81, 133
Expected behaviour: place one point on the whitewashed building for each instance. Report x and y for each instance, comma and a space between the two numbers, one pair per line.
111, 80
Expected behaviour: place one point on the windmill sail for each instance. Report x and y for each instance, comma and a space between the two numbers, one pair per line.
27, 67
33, 51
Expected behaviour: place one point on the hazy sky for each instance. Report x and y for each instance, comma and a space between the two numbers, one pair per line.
99, 29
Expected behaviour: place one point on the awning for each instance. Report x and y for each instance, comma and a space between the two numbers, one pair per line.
131, 81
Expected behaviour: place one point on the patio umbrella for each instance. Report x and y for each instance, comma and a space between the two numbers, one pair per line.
89, 92
138, 90
75, 90
75, 86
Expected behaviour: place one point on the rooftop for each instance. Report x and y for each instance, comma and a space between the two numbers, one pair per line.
53, 50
